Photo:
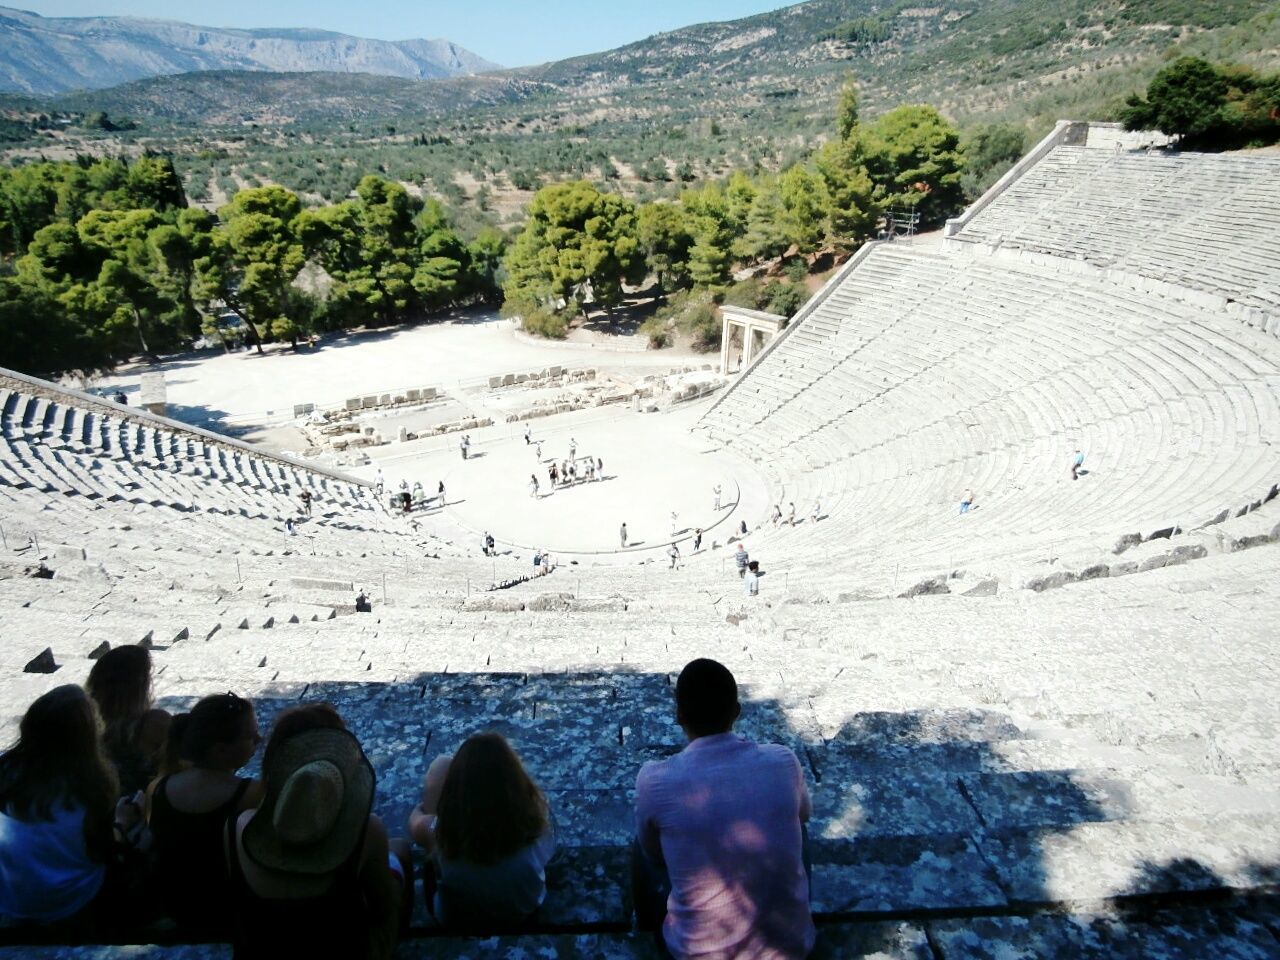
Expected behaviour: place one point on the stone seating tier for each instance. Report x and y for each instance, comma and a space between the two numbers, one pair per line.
1155, 215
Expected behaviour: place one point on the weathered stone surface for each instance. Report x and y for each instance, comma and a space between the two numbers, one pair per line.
42, 662
1052, 581
493, 602
983, 588
926, 588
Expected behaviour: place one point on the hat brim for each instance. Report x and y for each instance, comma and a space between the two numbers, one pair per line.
263, 845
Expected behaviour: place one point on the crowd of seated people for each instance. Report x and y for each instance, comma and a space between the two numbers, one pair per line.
296, 863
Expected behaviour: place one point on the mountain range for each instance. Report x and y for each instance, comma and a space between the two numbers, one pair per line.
45, 55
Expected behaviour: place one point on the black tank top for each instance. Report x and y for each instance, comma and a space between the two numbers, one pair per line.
335, 923
189, 861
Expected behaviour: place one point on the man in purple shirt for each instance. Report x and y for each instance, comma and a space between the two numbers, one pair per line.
719, 867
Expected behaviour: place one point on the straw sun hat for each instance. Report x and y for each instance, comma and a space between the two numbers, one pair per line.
319, 794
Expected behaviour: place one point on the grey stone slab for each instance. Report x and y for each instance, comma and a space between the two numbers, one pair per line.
885, 875
1097, 861
927, 726
871, 941
1187, 934
593, 818
906, 803
586, 946
586, 766
588, 885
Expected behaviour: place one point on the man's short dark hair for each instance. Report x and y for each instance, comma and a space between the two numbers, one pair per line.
707, 697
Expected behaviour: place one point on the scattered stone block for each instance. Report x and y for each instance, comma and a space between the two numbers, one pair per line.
353, 404
42, 662
65, 552
983, 588
368, 402
933, 586
1094, 571
1052, 581
413, 395
1126, 542
549, 602
303, 409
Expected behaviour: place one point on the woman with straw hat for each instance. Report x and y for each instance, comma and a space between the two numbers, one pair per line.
310, 864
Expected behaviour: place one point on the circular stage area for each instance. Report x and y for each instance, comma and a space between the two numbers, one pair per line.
652, 467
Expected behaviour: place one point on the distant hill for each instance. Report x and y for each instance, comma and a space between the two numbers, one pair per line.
223, 97
53, 55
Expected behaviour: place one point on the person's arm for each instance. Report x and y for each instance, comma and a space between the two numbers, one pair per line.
647, 833
806, 805
422, 818
253, 795
380, 892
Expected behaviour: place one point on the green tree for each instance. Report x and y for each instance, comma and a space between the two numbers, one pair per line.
804, 208
666, 240
914, 158
989, 151
1184, 100
575, 237
254, 259
852, 209
847, 107
369, 246
765, 236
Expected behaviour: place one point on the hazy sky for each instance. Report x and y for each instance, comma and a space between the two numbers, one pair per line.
511, 32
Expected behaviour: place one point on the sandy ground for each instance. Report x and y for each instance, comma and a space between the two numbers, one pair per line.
652, 466
220, 391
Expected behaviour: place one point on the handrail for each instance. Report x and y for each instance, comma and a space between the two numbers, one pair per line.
152, 419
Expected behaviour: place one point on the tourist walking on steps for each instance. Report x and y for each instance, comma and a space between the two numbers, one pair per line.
675, 522
600, 467
791, 513
718, 865
440, 492
419, 495
462, 446
751, 582
622, 534
697, 540
966, 501
533, 486
776, 515
528, 435
305, 497
288, 527
537, 451
1076, 463
553, 474
716, 491
363, 604
741, 559
817, 511
573, 448
674, 553
742, 529
378, 484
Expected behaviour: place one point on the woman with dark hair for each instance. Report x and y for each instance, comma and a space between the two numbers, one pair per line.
486, 827
134, 732
57, 792
311, 868
189, 808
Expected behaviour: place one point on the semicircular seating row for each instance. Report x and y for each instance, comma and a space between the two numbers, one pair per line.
923, 375
1204, 221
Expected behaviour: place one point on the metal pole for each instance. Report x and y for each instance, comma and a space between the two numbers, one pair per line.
35, 540
239, 579
3, 538
384, 588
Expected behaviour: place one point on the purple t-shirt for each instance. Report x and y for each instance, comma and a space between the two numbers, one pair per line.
724, 816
